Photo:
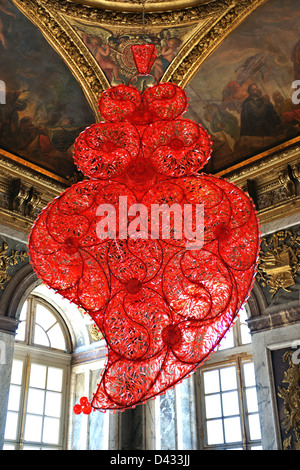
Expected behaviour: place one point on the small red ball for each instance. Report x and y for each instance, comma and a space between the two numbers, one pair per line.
87, 409
83, 401
77, 409
171, 335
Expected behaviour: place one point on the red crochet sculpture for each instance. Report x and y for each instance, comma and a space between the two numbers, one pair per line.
162, 307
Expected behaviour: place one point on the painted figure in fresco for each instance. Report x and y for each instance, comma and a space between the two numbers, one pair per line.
296, 60
168, 53
258, 116
101, 52
4, 9
222, 121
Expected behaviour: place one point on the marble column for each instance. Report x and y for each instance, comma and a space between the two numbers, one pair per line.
6, 357
137, 428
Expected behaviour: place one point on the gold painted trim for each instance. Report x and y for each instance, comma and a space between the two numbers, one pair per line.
115, 18
130, 6
33, 167
274, 150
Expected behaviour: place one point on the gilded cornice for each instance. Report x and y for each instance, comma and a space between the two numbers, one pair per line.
137, 5
273, 182
216, 20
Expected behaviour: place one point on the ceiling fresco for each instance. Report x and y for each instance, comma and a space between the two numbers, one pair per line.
237, 65
243, 92
111, 47
45, 107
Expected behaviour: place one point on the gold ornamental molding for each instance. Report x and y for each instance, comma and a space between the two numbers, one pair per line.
137, 5
291, 396
273, 181
25, 190
279, 261
7, 261
213, 21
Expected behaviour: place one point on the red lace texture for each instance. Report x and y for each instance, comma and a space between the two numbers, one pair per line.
161, 307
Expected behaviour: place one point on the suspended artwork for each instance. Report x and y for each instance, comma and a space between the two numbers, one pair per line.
123, 244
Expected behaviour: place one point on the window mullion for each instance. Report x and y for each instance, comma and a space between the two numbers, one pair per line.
31, 323
242, 401
221, 402
26, 387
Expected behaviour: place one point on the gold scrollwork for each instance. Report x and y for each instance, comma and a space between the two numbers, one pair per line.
7, 261
96, 334
279, 261
291, 397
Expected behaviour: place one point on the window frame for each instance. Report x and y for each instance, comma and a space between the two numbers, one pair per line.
32, 301
30, 353
237, 355
246, 443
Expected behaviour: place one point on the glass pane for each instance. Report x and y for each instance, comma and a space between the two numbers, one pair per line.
44, 317
243, 315
254, 426
249, 374
37, 376
57, 339
35, 402
40, 337
14, 397
213, 406
230, 403
16, 373
54, 380
214, 432
51, 431
53, 404
244, 329
227, 341
9, 447
23, 313
232, 428
20, 334
228, 378
11, 425
25, 447
245, 334
211, 381
33, 428
251, 395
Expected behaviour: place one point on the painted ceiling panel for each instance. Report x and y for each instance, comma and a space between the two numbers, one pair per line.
243, 92
216, 50
45, 106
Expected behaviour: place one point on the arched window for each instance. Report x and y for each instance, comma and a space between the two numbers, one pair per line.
39, 379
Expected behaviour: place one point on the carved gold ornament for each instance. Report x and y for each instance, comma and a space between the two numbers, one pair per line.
279, 261
7, 261
95, 333
291, 397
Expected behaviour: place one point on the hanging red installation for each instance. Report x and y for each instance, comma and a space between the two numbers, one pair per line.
162, 301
